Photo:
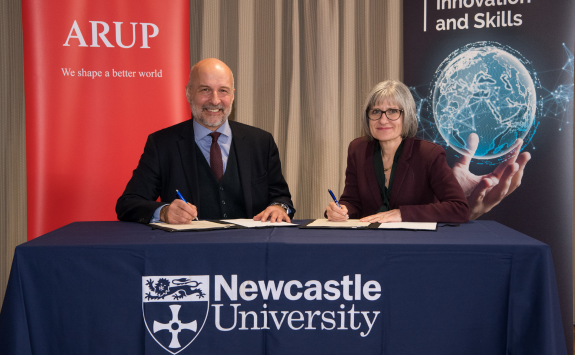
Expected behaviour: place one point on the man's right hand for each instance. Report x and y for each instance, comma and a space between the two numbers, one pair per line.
178, 212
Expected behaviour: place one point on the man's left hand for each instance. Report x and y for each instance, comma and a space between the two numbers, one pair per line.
275, 214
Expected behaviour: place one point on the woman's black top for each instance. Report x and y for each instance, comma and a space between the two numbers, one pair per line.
380, 173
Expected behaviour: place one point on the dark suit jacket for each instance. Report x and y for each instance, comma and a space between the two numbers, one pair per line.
424, 187
169, 163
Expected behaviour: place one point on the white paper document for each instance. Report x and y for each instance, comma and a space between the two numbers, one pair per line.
428, 226
250, 223
191, 226
350, 223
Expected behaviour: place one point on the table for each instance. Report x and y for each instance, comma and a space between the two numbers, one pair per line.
123, 288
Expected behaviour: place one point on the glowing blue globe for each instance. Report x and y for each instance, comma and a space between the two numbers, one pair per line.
483, 88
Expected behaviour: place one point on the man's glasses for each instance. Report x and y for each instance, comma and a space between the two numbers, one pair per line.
392, 114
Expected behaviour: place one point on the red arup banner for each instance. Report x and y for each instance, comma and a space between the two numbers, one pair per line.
99, 77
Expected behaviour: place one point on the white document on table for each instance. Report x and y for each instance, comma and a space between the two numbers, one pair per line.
250, 223
426, 226
350, 223
192, 226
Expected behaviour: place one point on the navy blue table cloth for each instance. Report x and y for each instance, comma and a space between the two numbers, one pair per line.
123, 288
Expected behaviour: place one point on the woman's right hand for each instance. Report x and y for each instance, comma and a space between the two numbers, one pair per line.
336, 214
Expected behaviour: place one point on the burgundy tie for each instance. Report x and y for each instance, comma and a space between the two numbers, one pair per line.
216, 157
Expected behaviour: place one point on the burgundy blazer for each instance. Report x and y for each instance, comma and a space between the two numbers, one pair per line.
424, 187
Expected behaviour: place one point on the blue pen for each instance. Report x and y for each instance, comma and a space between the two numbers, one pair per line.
334, 199
183, 199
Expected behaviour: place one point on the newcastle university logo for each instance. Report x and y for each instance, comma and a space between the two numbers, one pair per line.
175, 309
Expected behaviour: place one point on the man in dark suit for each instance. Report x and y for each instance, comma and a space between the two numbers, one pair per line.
223, 169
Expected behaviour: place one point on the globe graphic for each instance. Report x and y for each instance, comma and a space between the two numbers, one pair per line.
483, 88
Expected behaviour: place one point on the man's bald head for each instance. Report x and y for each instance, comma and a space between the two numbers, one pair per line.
210, 64
210, 92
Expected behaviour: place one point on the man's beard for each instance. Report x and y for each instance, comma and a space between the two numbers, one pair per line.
198, 113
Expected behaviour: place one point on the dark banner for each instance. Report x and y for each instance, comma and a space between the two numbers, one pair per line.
487, 75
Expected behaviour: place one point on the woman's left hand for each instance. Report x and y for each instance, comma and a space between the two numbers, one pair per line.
384, 217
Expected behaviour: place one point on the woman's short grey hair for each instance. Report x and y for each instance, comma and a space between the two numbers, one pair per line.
394, 92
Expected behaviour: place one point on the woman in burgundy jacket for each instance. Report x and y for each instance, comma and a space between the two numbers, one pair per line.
392, 176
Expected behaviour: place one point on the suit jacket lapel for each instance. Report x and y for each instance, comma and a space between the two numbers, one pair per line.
372, 184
187, 146
243, 153
401, 172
